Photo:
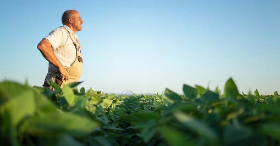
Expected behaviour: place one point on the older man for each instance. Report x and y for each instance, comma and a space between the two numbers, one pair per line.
62, 49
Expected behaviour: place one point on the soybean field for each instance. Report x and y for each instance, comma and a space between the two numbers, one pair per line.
68, 116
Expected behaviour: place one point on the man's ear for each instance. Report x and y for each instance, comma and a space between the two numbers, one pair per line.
70, 20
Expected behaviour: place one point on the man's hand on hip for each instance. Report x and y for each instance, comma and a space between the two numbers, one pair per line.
64, 73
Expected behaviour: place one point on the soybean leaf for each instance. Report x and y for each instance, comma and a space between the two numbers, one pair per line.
235, 114
148, 132
113, 128
43, 105
55, 86
243, 136
82, 90
271, 129
230, 89
68, 141
14, 109
101, 141
217, 91
233, 134
90, 93
95, 100
74, 84
172, 95
251, 99
175, 137
68, 94
57, 124
18, 108
200, 90
255, 140
275, 93
185, 107
106, 103
80, 102
189, 91
140, 117
257, 94
209, 97
7, 90
272, 108
197, 126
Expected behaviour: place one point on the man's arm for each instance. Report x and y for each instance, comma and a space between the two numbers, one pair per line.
45, 48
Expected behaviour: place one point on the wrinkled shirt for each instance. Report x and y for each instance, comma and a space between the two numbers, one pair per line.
63, 46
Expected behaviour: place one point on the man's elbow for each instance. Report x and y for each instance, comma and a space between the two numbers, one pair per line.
39, 46
42, 45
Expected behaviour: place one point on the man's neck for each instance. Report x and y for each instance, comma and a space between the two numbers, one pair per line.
73, 30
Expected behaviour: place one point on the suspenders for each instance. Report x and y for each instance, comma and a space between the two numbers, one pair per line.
76, 44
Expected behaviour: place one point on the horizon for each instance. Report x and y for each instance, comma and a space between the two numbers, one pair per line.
129, 92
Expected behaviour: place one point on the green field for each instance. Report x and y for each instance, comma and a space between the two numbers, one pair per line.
69, 116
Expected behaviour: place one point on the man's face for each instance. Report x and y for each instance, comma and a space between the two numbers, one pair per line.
76, 21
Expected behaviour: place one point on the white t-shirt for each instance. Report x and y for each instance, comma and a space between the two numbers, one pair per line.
63, 46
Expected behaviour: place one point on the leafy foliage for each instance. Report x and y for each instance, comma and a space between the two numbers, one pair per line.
200, 117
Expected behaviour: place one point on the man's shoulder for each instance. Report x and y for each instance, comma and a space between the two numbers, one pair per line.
58, 31
57, 37
61, 28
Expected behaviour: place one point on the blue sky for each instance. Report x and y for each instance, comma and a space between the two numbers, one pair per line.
146, 46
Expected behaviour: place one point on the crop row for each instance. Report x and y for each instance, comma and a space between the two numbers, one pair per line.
68, 116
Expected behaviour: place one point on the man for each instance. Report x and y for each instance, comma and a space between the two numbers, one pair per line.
62, 49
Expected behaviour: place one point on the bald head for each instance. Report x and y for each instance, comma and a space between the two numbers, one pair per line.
66, 15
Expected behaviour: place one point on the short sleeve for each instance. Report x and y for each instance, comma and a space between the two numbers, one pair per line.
56, 38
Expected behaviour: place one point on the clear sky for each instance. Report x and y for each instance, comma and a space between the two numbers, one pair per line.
146, 46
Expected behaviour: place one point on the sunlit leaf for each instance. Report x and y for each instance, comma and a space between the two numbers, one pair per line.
275, 93
106, 103
90, 93
217, 91
68, 94
200, 90
234, 114
95, 100
55, 86
257, 94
